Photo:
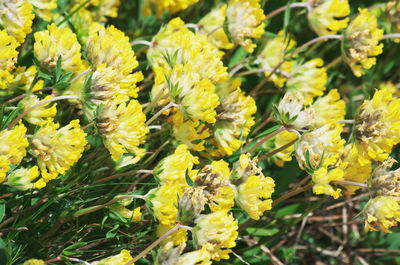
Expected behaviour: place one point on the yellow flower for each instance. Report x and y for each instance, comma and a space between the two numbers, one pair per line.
22, 178
308, 78
173, 168
34, 262
123, 129
354, 171
57, 149
113, 61
280, 140
163, 201
8, 58
361, 42
41, 114
12, 148
178, 237
328, 16
54, 42
44, 7
218, 232
215, 20
189, 132
329, 108
122, 258
323, 142
196, 257
100, 9
189, 48
392, 88
245, 20
381, 213
16, 17
217, 190
323, 177
23, 78
291, 112
254, 195
161, 6
234, 118
376, 127
271, 56
195, 96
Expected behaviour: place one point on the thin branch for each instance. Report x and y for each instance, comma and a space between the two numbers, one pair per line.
269, 136
283, 8
391, 36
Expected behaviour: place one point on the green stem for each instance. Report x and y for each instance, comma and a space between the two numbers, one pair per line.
72, 13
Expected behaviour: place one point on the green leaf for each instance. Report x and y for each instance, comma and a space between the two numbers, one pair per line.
2, 210
189, 181
58, 68
62, 86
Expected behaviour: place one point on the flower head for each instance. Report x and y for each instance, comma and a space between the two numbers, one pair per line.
22, 178
122, 258
328, 16
8, 58
360, 43
354, 170
41, 114
218, 232
308, 78
177, 42
376, 126
272, 54
161, 6
234, 117
291, 112
329, 108
55, 42
57, 149
12, 148
321, 147
123, 129
281, 139
245, 20
322, 179
385, 182
16, 17
44, 7
192, 133
381, 213
212, 21
195, 96
173, 168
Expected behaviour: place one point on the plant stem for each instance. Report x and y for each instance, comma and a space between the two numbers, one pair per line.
98, 207
140, 171
391, 36
155, 116
352, 183
81, 74
291, 194
154, 244
264, 70
44, 102
72, 13
269, 136
283, 8
142, 42
299, 49
214, 30
278, 150
346, 121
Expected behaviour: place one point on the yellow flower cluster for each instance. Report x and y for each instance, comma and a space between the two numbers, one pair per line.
57, 149
361, 42
161, 6
16, 17
245, 20
328, 16
8, 57
13, 144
